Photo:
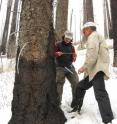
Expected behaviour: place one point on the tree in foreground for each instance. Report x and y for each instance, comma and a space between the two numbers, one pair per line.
35, 93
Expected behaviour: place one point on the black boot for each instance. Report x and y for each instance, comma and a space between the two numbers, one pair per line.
76, 109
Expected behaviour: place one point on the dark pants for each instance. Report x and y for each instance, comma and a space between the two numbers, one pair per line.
100, 92
61, 74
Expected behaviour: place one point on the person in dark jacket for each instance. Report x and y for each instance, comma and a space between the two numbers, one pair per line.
65, 55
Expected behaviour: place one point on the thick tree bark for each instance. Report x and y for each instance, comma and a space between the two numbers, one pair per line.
61, 18
35, 94
114, 26
11, 53
5, 33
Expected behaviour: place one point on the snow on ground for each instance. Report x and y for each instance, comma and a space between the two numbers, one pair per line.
6, 88
89, 113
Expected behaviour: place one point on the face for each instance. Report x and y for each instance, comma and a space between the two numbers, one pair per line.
67, 40
87, 31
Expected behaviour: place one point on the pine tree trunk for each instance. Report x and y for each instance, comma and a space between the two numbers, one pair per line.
35, 94
5, 33
114, 26
105, 20
61, 18
109, 19
88, 11
11, 53
87, 15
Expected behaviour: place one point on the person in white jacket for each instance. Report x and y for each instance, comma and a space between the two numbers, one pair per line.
96, 69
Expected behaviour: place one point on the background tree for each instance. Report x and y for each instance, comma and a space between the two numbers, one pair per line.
61, 18
11, 53
114, 27
0, 4
87, 16
6, 27
107, 20
88, 11
35, 94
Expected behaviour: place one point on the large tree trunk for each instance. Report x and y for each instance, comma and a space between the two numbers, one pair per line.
35, 94
61, 18
11, 53
5, 33
114, 26
88, 11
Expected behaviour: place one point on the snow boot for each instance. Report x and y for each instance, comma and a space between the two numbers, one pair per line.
76, 109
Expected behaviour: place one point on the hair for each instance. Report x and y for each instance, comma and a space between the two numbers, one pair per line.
93, 28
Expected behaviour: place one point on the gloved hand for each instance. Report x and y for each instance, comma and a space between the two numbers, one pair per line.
59, 53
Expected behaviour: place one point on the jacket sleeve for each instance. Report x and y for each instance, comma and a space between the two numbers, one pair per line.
56, 49
92, 52
74, 55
